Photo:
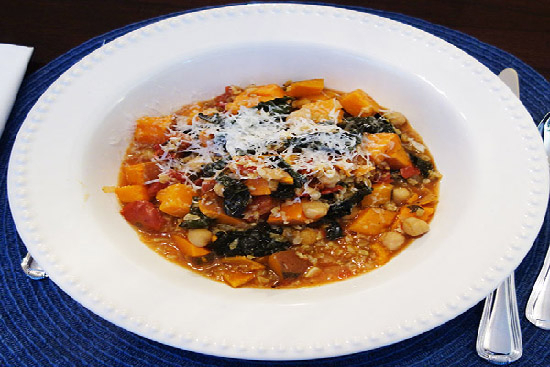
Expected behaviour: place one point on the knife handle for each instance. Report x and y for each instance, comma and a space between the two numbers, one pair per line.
499, 333
538, 305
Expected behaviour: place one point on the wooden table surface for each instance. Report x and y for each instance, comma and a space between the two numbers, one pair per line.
52, 27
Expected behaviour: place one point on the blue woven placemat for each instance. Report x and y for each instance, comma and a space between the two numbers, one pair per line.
42, 326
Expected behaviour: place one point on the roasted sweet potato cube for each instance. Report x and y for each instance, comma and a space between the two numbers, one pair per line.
322, 110
359, 103
138, 174
381, 194
130, 193
211, 205
152, 130
175, 199
292, 214
306, 88
236, 279
372, 221
252, 96
187, 248
258, 186
386, 147
286, 264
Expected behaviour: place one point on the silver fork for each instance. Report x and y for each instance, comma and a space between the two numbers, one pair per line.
499, 334
538, 305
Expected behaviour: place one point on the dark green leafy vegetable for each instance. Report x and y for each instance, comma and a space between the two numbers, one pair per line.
371, 124
277, 106
196, 219
261, 240
424, 166
337, 142
333, 230
210, 169
213, 119
284, 191
298, 179
236, 196
343, 208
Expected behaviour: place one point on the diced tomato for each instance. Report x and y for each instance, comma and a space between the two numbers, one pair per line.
409, 171
259, 206
330, 190
222, 99
207, 185
177, 176
155, 187
143, 214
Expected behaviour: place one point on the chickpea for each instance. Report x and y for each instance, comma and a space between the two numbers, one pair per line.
396, 118
400, 195
315, 209
199, 237
392, 240
415, 227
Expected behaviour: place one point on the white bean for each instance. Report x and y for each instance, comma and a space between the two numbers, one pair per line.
392, 240
400, 195
315, 209
199, 237
415, 227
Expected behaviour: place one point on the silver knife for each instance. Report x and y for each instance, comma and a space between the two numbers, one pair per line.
538, 305
499, 334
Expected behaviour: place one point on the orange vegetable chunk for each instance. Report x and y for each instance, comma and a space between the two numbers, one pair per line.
250, 97
381, 193
288, 214
236, 279
322, 110
130, 193
211, 205
138, 174
305, 88
175, 199
258, 186
152, 130
359, 103
187, 247
372, 221
407, 212
386, 147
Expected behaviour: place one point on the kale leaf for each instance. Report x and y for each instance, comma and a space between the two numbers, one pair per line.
371, 124
424, 166
277, 106
337, 142
236, 196
333, 230
210, 169
284, 191
298, 179
258, 241
215, 118
196, 219
342, 208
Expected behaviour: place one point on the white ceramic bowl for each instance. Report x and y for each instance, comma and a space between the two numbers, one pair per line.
493, 194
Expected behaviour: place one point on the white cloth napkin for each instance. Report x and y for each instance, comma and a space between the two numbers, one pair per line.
13, 63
